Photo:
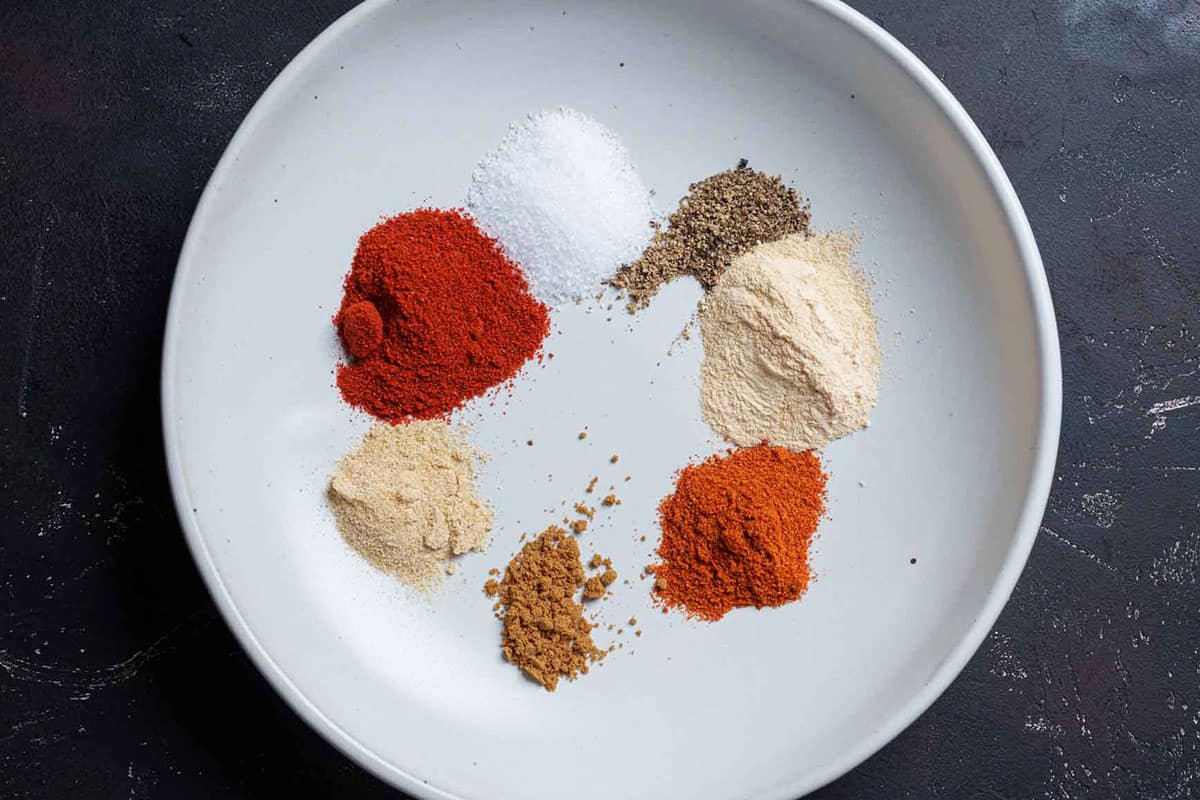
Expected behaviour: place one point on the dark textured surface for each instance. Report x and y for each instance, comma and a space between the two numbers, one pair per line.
118, 680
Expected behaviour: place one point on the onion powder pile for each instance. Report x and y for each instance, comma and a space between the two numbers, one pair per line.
561, 195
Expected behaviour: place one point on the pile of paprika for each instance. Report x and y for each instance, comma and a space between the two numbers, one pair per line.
736, 531
433, 314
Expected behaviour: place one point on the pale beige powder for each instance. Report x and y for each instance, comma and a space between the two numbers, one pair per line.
791, 354
405, 500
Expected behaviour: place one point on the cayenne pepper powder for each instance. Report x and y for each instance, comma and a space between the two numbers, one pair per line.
736, 531
433, 315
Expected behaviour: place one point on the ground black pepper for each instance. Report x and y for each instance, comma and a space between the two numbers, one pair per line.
721, 217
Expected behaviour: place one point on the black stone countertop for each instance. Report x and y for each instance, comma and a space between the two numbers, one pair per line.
118, 679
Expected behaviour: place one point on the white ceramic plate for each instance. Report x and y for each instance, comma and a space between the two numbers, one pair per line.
391, 108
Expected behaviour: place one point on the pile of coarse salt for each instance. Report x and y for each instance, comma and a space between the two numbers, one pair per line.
561, 195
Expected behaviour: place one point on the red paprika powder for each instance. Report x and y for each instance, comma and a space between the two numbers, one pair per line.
433, 314
736, 531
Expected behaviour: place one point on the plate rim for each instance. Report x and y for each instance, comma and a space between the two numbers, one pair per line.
1025, 532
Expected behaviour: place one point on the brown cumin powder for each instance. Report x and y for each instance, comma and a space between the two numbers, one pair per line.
545, 633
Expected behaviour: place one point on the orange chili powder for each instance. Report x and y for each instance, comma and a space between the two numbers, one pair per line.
736, 531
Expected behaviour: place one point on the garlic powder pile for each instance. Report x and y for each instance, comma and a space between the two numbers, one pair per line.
791, 354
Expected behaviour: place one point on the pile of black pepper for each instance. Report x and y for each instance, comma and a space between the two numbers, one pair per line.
721, 217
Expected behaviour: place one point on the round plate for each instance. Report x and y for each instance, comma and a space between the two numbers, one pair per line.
390, 109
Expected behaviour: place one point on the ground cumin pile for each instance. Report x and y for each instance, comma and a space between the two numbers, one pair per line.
721, 217
545, 633
736, 531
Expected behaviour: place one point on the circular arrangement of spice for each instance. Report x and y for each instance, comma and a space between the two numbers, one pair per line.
448, 310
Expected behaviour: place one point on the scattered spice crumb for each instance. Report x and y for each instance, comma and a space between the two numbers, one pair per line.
530, 442
593, 588
609, 576
579, 526
588, 512
638, 632
912, 561
633, 620
592, 483
583, 434
611, 500
491, 587
628, 477
615, 458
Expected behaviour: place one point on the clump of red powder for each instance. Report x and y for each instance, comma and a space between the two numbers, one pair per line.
736, 531
433, 315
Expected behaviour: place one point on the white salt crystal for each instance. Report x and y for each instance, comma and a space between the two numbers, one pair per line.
561, 195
